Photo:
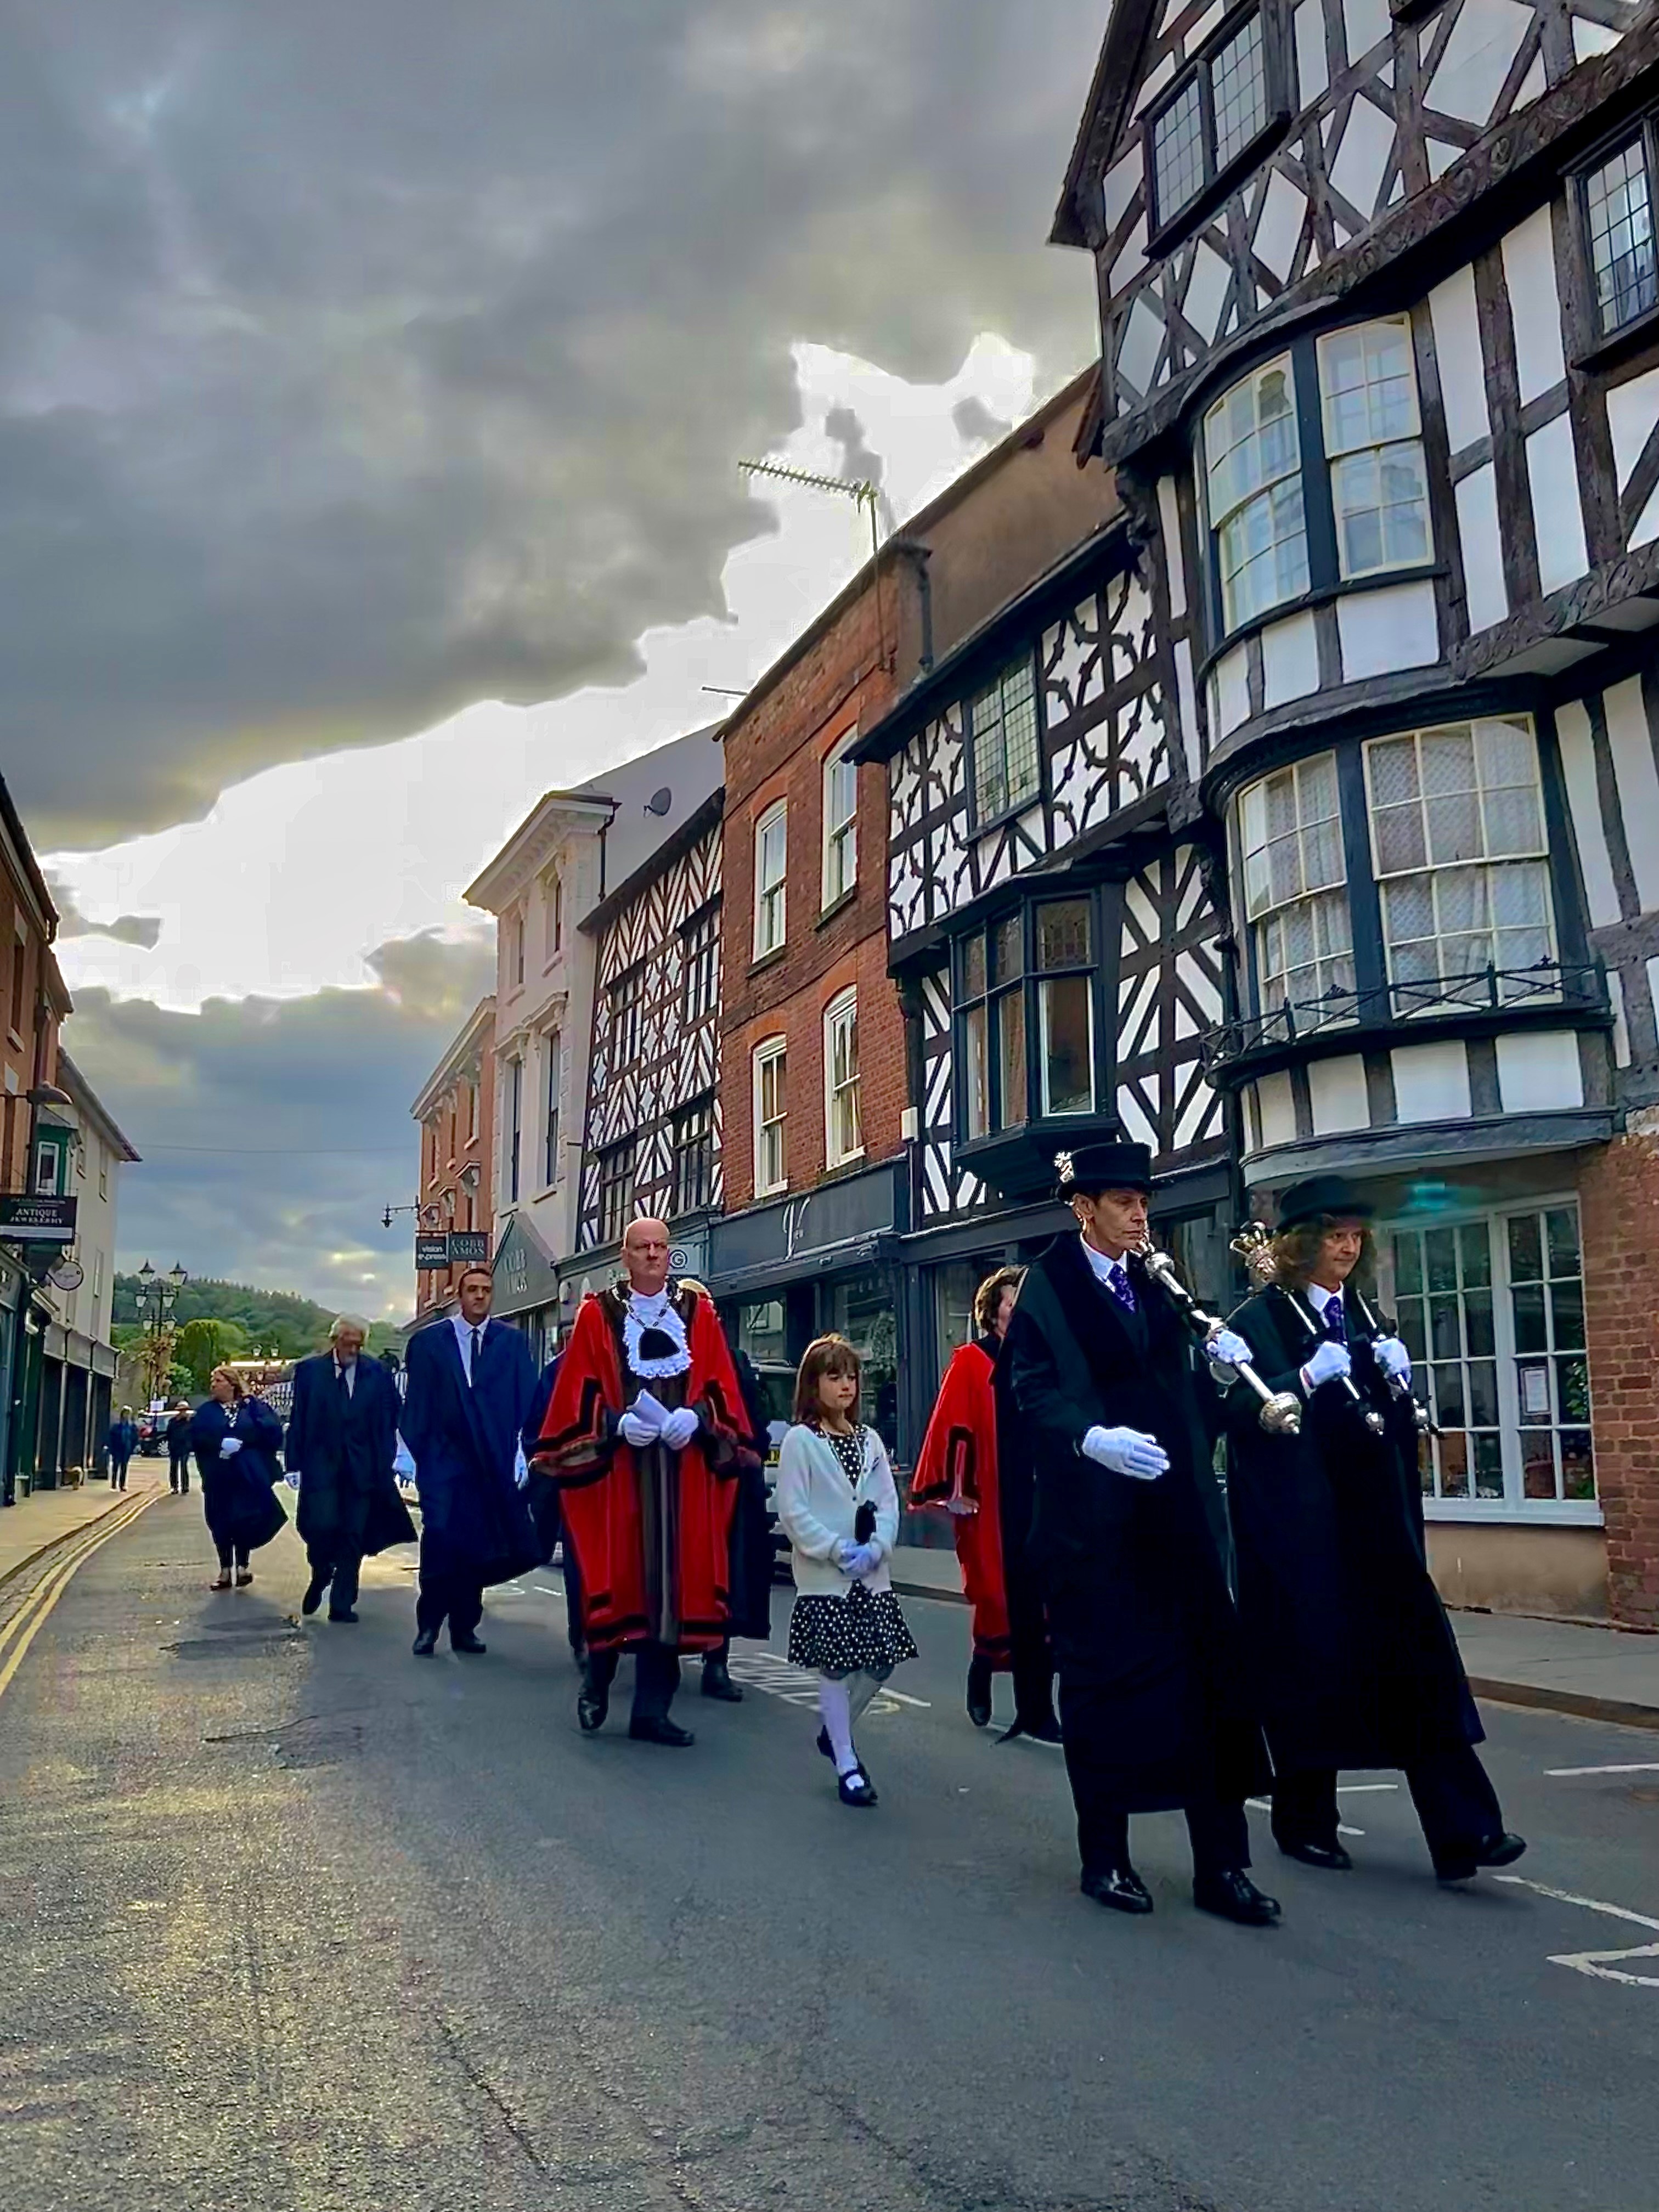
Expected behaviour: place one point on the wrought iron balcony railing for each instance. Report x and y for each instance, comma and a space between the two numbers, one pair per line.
1488, 990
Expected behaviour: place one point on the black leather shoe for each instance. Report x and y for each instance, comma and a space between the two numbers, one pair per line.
979, 1692
313, 1596
344, 1614
426, 1643
664, 1731
1120, 1887
592, 1706
717, 1683
1331, 1856
468, 1643
1500, 1850
1234, 1896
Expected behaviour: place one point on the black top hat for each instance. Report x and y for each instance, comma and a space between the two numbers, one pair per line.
1094, 1168
1323, 1194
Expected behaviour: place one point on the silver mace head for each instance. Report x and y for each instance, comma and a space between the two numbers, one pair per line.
1282, 1414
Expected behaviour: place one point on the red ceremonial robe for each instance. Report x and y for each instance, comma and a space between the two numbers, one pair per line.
958, 1459
612, 1497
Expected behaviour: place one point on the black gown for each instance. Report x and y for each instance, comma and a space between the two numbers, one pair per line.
1154, 1704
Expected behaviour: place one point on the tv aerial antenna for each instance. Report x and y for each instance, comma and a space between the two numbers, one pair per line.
862, 493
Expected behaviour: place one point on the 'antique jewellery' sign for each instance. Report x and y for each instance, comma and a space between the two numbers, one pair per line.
27, 1220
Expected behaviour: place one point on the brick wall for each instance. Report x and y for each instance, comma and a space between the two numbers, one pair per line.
777, 749
1618, 1201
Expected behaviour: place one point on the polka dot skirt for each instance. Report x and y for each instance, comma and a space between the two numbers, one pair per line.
862, 1633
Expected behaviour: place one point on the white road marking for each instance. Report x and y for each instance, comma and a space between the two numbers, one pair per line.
1641, 1767
1599, 1965
1265, 1805
924, 1704
1364, 1789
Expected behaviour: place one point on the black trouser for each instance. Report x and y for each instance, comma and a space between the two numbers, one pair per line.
178, 1474
1219, 1832
337, 1564
1455, 1803
446, 1592
229, 1552
118, 1473
656, 1677
573, 1595
1030, 1657
720, 1654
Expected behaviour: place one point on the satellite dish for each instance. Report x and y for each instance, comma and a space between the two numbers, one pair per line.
68, 1274
660, 801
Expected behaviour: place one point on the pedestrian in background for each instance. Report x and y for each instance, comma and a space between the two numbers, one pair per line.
178, 1450
1354, 1661
342, 1445
237, 1443
838, 1506
121, 1444
541, 1495
471, 1381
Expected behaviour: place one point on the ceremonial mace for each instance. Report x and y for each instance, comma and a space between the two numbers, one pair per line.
1281, 1410
1254, 1245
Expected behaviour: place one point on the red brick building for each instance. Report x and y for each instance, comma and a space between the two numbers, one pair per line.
815, 1047
457, 1114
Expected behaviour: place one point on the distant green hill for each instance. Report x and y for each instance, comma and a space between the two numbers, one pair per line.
275, 1321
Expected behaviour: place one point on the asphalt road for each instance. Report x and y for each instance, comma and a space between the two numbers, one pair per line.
292, 1919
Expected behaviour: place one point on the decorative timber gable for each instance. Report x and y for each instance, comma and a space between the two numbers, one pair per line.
1375, 131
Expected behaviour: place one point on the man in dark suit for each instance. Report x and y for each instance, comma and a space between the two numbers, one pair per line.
471, 1383
178, 1450
121, 1444
1154, 1708
342, 1440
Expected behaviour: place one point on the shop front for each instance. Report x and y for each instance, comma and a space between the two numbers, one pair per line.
527, 1287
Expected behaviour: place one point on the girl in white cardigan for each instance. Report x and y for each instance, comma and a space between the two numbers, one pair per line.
838, 1504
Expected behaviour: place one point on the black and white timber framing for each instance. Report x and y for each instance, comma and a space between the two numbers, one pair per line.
654, 1095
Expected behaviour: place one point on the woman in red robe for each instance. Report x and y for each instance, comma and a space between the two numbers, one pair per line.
959, 1467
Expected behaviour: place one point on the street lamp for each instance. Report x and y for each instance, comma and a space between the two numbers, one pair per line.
157, 1295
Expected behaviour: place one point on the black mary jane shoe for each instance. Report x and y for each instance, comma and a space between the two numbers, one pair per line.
313, 1596
1331, 1856
1120, 1887
717, 1683
1233, 1896
426, 1643
979, 1692
664, 1731
469, 1644
855, 1789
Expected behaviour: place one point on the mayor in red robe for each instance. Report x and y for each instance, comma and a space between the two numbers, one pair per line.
970, 1435
642, 1435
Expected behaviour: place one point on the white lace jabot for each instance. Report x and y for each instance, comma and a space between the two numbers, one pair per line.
657, 1317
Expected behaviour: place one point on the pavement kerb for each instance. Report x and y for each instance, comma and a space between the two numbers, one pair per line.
93, 1521
1579, 1705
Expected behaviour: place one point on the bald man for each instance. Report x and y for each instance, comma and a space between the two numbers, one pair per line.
642, 1435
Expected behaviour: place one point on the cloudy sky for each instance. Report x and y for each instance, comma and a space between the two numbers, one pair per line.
372, 386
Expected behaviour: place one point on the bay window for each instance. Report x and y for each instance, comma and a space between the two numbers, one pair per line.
1460, 860
1026, 1018
1296, 900
1314, 473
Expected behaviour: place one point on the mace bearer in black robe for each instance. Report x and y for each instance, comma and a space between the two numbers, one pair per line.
1352, 1660
1128, 1536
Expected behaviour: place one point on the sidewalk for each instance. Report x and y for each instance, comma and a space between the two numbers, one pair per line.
42, 1517
1599, 1673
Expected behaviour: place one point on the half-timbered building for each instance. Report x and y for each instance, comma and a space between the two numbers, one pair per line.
651, 1146
1379, 382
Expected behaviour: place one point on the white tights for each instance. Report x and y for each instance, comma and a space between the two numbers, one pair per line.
841, 1706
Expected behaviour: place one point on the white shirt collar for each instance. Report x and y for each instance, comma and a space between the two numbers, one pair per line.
1097, 1260
1320, 1296
464, 1329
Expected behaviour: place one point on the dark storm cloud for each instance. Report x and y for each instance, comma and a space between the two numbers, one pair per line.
274, 1133
361, 361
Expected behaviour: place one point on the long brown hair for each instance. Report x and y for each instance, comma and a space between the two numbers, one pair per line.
1296, 1251
988, 1296
826, 1355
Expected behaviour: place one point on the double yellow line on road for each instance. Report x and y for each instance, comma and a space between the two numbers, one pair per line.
25, 1625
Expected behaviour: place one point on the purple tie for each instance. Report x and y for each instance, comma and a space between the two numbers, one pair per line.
1336, 1327
1118, 1283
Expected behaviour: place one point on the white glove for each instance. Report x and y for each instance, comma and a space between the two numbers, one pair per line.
229, 1446
650, 1410
1227, 1348
847, 1554
1127, 1451
520, 1466
293, 1478
679, 1427
961, 1506
1328, 1362
1392, 1357
864, 1560
636, 1431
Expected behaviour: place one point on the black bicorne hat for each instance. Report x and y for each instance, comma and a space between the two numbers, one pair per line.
1323, 1194
1094, 1168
